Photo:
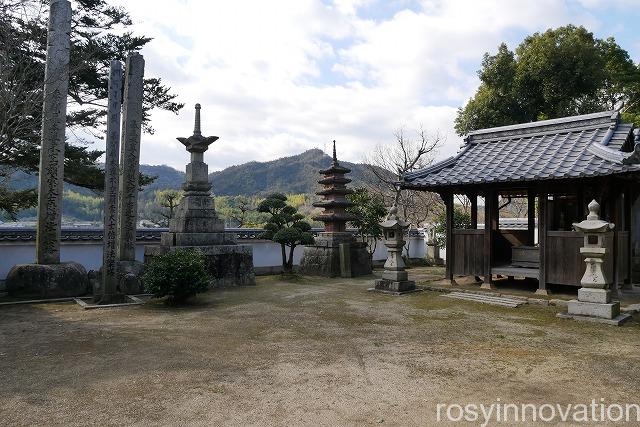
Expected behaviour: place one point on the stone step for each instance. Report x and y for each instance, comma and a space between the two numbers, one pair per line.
486, 299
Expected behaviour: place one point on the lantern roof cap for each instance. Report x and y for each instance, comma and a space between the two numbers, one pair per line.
593, 223
393, 220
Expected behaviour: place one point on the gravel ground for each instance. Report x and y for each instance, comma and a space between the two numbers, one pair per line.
301, 351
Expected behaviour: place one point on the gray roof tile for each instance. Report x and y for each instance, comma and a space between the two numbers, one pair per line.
550, 149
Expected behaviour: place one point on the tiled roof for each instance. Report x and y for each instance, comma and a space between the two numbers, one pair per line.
573, 147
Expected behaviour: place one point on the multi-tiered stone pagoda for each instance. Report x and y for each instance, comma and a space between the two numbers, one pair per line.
196, 224
336, 251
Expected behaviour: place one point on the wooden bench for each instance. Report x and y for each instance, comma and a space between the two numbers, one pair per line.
525, 256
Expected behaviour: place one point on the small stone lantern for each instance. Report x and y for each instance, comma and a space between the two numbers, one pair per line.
395, 278
594, 297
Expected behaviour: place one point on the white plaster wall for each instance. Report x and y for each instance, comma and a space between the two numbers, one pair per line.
89, 254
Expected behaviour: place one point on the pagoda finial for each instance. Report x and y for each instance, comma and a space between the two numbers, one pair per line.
335, 157
197, 143
196, 127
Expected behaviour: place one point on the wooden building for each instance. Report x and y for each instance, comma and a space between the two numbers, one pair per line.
559, 166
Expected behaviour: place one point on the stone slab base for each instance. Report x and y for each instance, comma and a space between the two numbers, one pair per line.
127, 300
395, 276
388, 292
228, 265
67, 279
128, 280
600, 296
593, 309
616, 321
324, 260
395, 286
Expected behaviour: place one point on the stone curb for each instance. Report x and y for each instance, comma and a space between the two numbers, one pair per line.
632, 308
528, 300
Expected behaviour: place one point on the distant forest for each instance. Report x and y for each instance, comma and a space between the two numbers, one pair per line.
295, 176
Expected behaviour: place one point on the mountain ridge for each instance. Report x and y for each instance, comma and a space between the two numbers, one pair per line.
293, 174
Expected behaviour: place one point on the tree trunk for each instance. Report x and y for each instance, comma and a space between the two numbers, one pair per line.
290, 261
284, 258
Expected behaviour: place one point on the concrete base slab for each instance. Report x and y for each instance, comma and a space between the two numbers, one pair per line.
486, 285
396, 293
592, 309
616, 321
542, 292
395, 285
128, 300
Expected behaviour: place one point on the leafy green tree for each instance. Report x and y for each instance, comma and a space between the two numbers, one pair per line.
82, 207
168, 200
99, 34
461, 220
560, 72
285, 226
239, 211
370, 211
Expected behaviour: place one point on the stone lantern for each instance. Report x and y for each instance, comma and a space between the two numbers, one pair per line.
395, 278
594, 297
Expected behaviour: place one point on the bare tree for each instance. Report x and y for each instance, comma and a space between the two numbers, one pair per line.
387, 165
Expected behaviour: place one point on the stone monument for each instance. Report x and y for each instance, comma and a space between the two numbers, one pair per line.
594, 297
336, 252
433, 249
128, 270
196, 224
109, 292
48, 277
395, 279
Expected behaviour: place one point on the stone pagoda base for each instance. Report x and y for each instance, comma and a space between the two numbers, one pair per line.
228, 265
336, 255
40, 281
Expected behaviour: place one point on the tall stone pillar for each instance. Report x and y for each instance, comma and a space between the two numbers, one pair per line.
109, 277
54, 115
130, 158
48, 277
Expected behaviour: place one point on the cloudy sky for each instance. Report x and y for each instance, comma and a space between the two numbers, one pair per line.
277, 77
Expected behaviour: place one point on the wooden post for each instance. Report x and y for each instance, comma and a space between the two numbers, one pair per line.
449, 250
628, 207
474, 209
581, 206
616, 219
490, 222
543, 222
474, 219
531, 216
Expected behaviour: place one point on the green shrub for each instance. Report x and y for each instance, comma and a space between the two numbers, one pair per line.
178, 275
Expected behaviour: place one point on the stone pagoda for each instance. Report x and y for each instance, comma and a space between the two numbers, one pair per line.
196, 224
336, 251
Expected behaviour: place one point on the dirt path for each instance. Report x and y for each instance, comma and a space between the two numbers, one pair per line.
311, 352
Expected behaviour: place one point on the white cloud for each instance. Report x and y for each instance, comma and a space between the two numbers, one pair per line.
278, 77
